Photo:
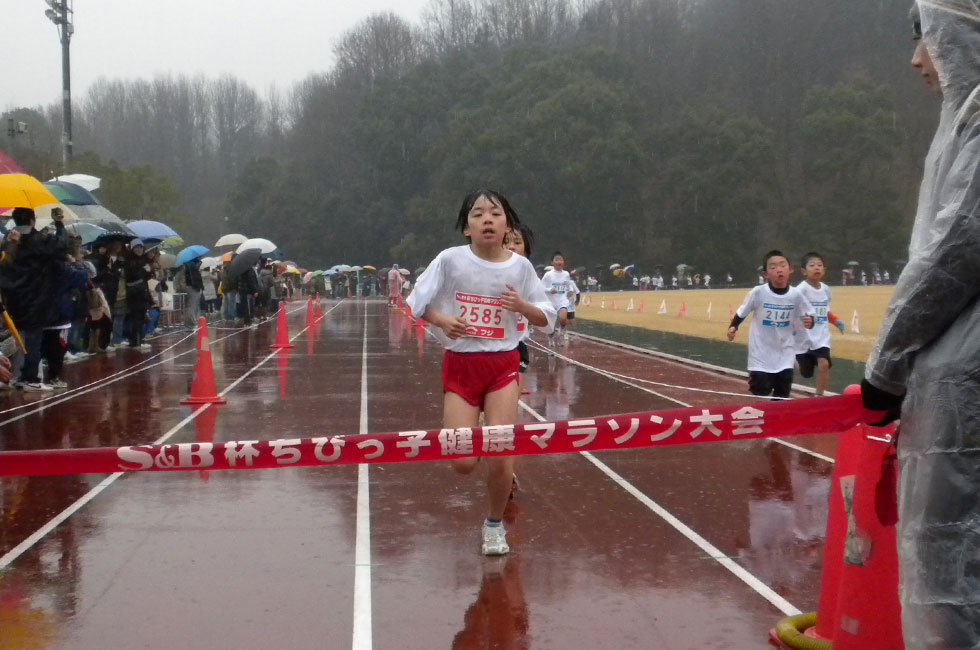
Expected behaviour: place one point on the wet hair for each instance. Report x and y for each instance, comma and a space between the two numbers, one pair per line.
557, 254
513, 221
811, 255
773, 253
916, 22
528, 236
23, 216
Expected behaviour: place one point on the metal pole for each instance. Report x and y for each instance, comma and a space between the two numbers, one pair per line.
66, 29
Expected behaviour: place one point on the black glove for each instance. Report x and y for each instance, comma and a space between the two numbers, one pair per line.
875, 399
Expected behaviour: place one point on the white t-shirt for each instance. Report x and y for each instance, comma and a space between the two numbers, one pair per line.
819, 335
771, 344
558, 281
572, 294
459, 283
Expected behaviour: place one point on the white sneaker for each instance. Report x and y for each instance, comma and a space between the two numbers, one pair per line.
57, 384
146, 347
70, 357
495, 540
36, 387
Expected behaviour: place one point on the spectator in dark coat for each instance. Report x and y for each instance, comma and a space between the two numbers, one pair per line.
138, 299
28, 279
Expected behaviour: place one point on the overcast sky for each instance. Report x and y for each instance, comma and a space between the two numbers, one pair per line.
262, 42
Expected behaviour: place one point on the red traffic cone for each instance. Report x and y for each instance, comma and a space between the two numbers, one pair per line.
202, 335
640, 310
202, 386
282, 333
683, 312
614, 304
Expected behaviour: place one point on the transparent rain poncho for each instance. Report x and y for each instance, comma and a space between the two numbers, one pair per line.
929, 348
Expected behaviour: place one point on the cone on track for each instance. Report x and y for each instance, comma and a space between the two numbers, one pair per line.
683, 312
282, 332
663, 307
309, 313
602, 304
614, 304
709, 311
855, 327
202, 386
630, 307
640, 310
202, 335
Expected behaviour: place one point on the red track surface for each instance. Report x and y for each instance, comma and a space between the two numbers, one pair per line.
266, 558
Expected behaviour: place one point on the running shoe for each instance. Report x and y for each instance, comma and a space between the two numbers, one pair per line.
57, 384
495, 540
36, 387
146, 347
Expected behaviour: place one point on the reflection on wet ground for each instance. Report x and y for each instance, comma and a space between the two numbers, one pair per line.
266, 558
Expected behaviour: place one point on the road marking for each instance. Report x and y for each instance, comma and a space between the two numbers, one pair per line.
714, 553
362, 537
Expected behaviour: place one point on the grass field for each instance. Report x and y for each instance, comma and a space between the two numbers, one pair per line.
868, 302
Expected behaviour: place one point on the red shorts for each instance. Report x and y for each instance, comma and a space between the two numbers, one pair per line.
472, 375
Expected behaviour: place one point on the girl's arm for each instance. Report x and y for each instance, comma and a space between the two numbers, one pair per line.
512, 301
453, 326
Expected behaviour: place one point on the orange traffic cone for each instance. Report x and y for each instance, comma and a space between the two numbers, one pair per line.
202, 386
282, 333
202, 335
640, 310
683, 312
309, 313
614, 304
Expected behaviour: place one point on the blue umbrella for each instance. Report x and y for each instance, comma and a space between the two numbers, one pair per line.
154, 230
191, 253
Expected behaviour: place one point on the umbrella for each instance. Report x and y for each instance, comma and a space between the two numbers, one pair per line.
317, 274
245, 260
226, 257
613, 267
168, 260
85, 181
191, 253
331, 272
549, 268
230, 240
100, 216
404, 271
71, 194
87, 231
419, 271
152, 230
307, 277
628, 269
209, 262
110, 236
369, 267
853, 263
23, 191
263, 245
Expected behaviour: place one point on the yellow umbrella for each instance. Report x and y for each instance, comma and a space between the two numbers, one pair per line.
368, 266
23, 191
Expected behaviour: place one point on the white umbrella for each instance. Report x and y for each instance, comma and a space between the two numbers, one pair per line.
404, 271
209, 262
264, 245
91, 183
230, 240
613, 267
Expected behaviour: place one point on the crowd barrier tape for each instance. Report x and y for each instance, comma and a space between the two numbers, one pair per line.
628, 431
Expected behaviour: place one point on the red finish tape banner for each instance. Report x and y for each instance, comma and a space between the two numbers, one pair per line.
629, 431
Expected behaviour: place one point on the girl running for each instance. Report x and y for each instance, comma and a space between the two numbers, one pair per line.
473, 294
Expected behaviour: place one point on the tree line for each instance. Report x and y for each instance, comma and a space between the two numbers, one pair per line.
653, 132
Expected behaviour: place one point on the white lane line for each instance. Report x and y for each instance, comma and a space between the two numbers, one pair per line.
57, 520
600, 371
713, 552
362, 537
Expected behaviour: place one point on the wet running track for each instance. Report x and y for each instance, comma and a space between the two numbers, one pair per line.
673, 547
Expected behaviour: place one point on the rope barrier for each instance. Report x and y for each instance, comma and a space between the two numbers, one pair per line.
627, 431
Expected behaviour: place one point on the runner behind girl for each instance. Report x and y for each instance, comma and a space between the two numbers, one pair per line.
520, 240
556, 284
472, 294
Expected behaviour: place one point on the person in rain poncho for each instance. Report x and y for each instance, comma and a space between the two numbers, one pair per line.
395, 282
926, 360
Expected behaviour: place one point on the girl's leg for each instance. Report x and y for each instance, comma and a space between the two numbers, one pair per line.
457, 412
823, 374
501, 408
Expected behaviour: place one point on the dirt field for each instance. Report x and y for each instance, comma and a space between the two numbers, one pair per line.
868, 302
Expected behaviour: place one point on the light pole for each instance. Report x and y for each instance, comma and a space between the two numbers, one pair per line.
60, 15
